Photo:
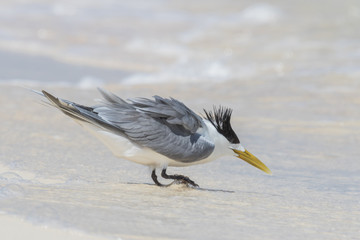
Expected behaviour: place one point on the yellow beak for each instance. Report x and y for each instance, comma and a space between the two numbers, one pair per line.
251, 159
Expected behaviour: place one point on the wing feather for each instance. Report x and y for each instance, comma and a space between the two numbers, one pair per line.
166, 126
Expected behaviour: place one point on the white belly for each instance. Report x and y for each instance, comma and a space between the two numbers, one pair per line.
125, 149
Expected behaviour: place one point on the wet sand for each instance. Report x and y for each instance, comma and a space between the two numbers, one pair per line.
54, 173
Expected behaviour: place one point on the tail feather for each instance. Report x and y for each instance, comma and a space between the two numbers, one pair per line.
79, 112
65, 106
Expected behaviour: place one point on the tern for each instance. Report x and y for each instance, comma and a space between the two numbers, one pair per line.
159, 132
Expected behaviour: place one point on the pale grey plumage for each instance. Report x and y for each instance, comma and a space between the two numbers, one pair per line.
155, 124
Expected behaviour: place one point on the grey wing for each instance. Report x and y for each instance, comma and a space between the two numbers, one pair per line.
166, 126
173, 111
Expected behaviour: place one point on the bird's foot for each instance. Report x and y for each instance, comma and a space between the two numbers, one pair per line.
190, 183
179, 178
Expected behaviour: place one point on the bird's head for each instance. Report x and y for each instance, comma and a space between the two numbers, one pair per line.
220, 119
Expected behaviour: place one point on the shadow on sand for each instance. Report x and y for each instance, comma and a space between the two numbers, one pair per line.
185, 186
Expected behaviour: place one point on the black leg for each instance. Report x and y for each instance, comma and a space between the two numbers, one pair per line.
154, 178
182, 178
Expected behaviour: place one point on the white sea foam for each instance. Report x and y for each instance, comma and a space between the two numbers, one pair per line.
261, 13
89, 83
182, 73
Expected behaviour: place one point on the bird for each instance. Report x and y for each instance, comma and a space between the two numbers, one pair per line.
159, 132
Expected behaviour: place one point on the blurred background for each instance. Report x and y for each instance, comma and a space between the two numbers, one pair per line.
289, 69
171, 41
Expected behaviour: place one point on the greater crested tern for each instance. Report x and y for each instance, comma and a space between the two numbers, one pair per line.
159, 133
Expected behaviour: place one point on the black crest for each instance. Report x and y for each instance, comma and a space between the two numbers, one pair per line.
220, 118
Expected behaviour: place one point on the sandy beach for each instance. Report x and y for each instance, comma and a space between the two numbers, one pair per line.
295, 104
53, 173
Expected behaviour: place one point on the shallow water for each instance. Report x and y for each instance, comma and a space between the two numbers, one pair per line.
289, 70
172, 41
